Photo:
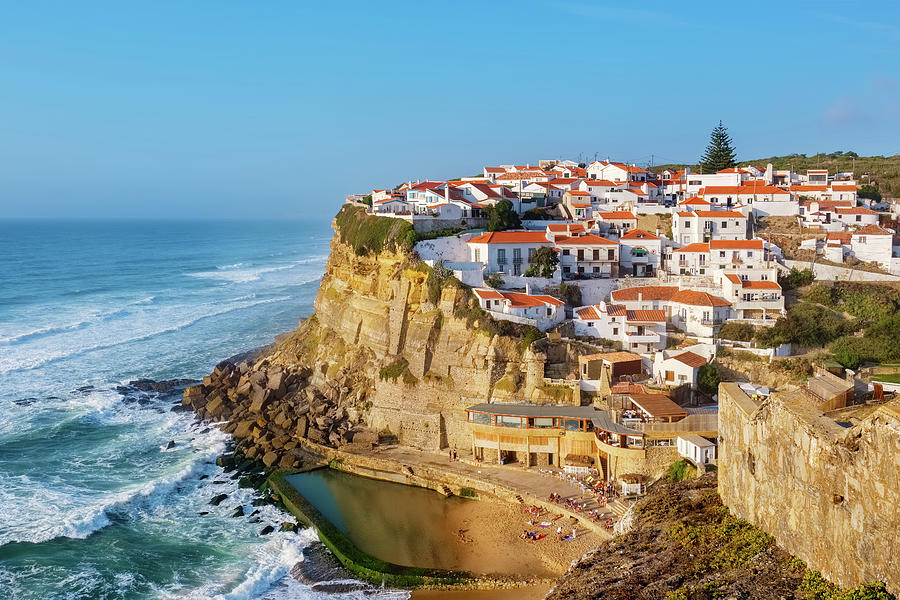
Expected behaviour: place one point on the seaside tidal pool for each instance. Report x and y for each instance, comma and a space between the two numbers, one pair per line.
418, 527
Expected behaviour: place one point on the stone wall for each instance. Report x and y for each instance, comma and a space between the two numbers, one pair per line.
828, 494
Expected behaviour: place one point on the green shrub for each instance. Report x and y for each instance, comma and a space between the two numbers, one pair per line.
494, 280
816, 587
467, 493
394, 370
371, 234
542, 263
571, 293
708, 379
796, 278
681, 470
733, 330
502, 216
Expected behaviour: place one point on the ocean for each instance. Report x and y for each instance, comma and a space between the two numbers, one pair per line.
104, 490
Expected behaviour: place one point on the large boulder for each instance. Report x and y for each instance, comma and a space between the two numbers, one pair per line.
270, 458
259, 397
365, 437
244, 429
216, 407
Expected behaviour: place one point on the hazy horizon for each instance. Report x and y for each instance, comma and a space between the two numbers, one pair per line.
278, 110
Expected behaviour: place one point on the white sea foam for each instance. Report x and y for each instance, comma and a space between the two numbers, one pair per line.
236, 274
28, 359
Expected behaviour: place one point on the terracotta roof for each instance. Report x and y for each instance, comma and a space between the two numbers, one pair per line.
695, 247
690, 359
843, 188
510, 237
658, 405
588, 239
760, 285
495, 169
616, 310
587, 312
843, 238
647, 292
577, 193
603, 182
626, 387
566, 227
808, 188
872, 230
695, 298
856, 210
694, 200
646, 316
736, 245
685, 214
639, 234
616, 215
517, 299
733, 278
574, 205
488, 294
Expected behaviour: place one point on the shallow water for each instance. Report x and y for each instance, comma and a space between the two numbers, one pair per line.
94, 502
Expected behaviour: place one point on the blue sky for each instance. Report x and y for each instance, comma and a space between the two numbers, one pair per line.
277, 109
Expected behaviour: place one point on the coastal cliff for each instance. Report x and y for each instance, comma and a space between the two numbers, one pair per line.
395, 351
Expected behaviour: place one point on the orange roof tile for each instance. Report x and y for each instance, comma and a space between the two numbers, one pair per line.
760, 285
589, 239
694, 200
617, 357
510, 237
856, 210
488, 294
587, 312
690, 359
735, 244
695, 298
647, 292
726, 214
872, 230
751, 188
695, 247
843, 188
616, 215
733, 278
639, 234
518, 299
646, 316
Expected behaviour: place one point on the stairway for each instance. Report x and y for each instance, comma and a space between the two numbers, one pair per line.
618, 507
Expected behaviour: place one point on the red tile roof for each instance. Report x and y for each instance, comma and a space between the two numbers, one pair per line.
760, 285
510, 237
749, 188
587, 312
657, 405
695, 247
488, 294
639, 234
735, 244
872, 230
646, 316
843, 238
589, 239
647, 292
856, 210
733, 278
695, 298
566, 227
694, 200
843, 188
518, 299
616, 215
690, 359
726, 214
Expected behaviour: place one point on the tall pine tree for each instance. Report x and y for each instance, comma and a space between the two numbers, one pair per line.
720, 153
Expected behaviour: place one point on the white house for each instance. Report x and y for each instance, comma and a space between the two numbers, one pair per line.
639, 331
613, 171
872, 244
640, 253
856, 216
766, 200
753, 299
541, 311
507, 252
697, 448
677, 367
615, 222
705, 225
694, 312
587, 255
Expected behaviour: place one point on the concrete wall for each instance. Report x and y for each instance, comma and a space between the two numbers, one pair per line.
828, 494
832, 273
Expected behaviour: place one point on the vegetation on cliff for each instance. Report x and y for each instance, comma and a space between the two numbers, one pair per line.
370, 234
685, 545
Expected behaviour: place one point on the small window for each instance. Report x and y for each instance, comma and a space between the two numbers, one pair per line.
615, 331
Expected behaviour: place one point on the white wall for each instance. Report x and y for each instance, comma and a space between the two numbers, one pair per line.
832, 273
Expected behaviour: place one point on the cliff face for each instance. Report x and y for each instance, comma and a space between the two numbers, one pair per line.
408, 365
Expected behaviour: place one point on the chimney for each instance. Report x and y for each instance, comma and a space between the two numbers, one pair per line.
528, 288
447, 192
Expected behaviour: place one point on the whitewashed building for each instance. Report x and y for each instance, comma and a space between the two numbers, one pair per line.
639, 331
540, 311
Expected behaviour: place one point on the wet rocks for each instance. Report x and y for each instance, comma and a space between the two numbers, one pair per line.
217, 499
267, 530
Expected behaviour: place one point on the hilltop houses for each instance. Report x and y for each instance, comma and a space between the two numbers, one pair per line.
540, 311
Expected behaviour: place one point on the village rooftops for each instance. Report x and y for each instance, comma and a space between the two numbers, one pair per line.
510, 237
694, 201
760, 285
645, 316
719, 214
569, 228
751, 187
518, 299
856, 210
695, 247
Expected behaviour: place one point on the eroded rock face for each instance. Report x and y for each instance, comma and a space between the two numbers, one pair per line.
376, 359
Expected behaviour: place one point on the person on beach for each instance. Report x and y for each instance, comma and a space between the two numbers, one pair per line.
573, 534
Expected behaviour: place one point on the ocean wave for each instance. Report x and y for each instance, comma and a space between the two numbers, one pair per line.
92, 316
236, 274
32, 361
125, 505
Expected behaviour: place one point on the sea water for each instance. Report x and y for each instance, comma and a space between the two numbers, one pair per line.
96, 501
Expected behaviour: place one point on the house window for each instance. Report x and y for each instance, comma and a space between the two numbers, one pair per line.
517, 255
639, 252
615, 331
749, 255
611, 254
859, 218
477, 254
566, 252
590, 324
596, 255
724, 224
531, 252
722, 254
501, 256
862, 239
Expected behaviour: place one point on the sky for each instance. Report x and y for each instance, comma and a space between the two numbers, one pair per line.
278, 109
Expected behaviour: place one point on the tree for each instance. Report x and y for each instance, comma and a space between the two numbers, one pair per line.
501, 216
543, 262
708, 379
720, 153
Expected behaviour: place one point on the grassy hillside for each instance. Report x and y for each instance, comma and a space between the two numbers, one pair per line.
882, 171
